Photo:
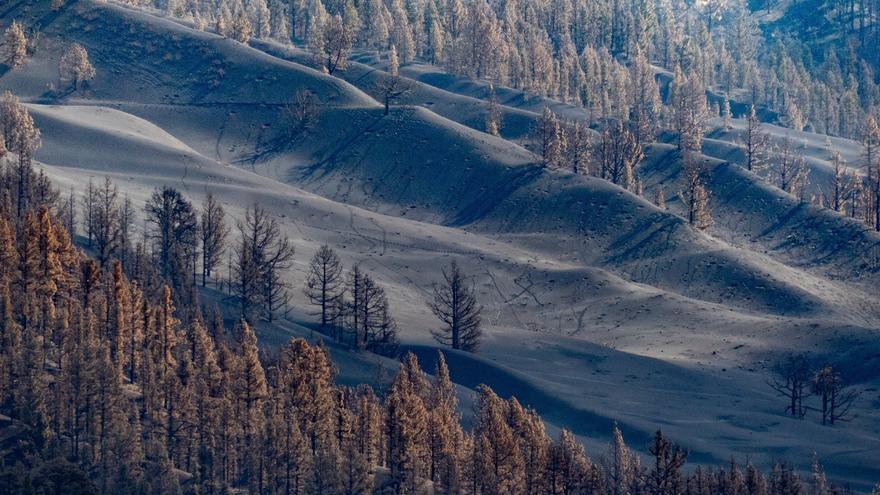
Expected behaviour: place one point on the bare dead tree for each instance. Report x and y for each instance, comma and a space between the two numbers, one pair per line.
393, 87
302, 112
367, 308
455, 304
836, 398
263, 254
213, 230
338, 40
324, 284
106, 222
791, 379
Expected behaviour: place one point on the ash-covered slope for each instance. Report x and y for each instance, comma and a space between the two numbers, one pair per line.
565, 266
413, 163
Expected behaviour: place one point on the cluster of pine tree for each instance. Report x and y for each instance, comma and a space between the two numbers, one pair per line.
583, 52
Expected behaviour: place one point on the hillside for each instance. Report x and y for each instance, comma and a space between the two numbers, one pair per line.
599, 306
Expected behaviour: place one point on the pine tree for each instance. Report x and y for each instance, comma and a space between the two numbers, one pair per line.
263, 254
535, 448
213, 231
305, 377
223, 22
619, 468
578, 148
324, 283
498, 462
336, 45
725, 114
818, 482
871, 158
659, 197
455, 304
837, 186
493, 113
757, 143
646, 99
665, 476
106, 218
174, 235
74, 66
617, 153
354, 465
393, 87
407, 427
687, 99
21, 136
695, 195
241, 26
444, 431
551, 140
16, 45
570, 466
251, 390
791, 170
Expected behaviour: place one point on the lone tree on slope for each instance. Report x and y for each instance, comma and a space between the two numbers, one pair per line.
75, 66
393, 87
832, 390
16, 45
325, 283
791, 379
455, 304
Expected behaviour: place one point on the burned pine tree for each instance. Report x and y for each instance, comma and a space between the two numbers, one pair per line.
455, 304
791, 379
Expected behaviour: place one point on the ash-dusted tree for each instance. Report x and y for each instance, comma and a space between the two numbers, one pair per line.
20, 136
455, 304
393, 87
368, 317
687, 99
242, 29
262, 255
725, 114
74, 66
791, 169
616, 154
646, 99
791, 379
665, 476
621, 465
213, 231
659, 197
325, 284
837, 187
836, 398
89, 206
757, 143
15, 44
871, 158
694, 195
336, 45
493, 113
302, 113
578, 148
551, 139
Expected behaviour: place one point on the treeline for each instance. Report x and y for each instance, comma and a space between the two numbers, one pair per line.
104, 390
